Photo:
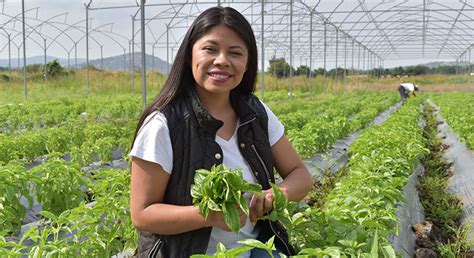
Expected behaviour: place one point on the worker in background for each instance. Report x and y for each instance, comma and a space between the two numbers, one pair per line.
405, 89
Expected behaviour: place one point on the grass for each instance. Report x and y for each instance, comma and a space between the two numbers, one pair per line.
111, 83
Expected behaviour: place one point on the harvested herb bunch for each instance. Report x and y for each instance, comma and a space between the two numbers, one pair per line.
221, 189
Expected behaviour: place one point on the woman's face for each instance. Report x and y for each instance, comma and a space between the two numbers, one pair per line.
219, 60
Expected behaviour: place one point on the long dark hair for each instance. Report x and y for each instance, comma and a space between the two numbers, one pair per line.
181, 78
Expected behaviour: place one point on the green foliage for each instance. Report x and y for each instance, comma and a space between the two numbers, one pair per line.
279, 67
221, 189
365, 200
54, 68
14, 183
456, 109
58, 185
303, 70
281, 207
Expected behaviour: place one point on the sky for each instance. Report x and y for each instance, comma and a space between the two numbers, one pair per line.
115, 26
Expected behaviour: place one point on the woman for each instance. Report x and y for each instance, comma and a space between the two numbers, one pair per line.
206, 114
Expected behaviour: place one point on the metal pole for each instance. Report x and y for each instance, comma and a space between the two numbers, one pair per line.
9, 59
337, 53
311, 51
358, 58
262, 88
101, 62
18, 61
45, 61
345, 63
291, 48
143, 53
470, 65
124, 60
68, 61
324, 58
24, 48
363, 61
132, 60
75, 54
87, 48
352, 58
153, 59
167, 49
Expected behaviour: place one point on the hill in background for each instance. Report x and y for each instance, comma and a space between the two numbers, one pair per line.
114, 63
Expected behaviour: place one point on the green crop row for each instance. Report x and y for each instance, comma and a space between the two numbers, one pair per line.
18, 118
363, 203
80, 139
314, 130
99, 230
458, 110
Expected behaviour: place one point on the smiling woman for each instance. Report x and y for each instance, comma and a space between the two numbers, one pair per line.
206, 115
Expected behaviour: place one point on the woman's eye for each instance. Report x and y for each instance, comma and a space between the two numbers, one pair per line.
209, 49
236, 53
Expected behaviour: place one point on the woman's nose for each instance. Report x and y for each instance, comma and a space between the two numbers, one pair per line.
221, 59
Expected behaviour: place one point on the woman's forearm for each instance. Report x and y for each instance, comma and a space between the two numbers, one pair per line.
169, 219
297, 184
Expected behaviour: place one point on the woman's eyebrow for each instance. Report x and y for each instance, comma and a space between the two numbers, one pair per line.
213, 42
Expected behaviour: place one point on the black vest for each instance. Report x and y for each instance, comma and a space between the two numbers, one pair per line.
192, 131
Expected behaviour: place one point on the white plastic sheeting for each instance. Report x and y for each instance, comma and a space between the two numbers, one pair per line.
461, 183
409, 213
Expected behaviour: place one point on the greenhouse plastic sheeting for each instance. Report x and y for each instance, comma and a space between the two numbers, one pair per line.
461, 182
409, 213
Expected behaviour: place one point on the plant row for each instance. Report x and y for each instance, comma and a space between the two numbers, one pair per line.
100, 228
359, 213
457, 110
18, 118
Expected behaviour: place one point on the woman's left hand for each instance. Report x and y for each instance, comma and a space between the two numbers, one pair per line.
260, 204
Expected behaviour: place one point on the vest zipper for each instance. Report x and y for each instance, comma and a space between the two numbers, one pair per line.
268, 177
261, 161
246, 122
155, 249
279, 237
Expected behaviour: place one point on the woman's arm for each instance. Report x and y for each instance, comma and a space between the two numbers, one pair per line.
297, 181
149, 213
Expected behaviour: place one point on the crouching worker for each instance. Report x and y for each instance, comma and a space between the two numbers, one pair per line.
405, 89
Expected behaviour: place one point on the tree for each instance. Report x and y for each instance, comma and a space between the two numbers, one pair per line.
302, 70
319, 71
398, 71
279, 67
54, 68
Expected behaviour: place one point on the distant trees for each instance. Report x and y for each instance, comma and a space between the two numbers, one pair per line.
280, 68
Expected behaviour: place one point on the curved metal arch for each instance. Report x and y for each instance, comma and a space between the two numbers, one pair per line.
394, 15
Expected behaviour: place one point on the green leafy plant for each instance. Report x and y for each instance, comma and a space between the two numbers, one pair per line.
248, 244
281, 207
221, 189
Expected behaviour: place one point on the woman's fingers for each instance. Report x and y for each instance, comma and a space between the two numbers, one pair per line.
217, 219
260, 205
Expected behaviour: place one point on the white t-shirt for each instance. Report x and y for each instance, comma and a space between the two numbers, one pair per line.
153, 144
408, 86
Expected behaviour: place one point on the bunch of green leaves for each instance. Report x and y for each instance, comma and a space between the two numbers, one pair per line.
281, 207
221, 189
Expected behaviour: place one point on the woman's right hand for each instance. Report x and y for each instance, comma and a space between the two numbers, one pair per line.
216, 219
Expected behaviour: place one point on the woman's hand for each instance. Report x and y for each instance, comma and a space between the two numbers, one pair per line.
260, 204
216, 219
